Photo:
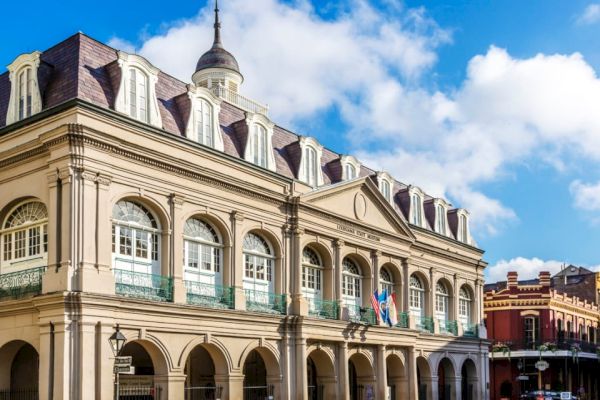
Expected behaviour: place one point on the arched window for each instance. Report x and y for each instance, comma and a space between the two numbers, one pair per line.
350, 171
463, 230
464, 305
310, 166
203, 249
351, 282
203, 114
138, 95
135, 234
440, 219
312, 274
416, 210
386, 190
259, 143
25, 236
441, 301
386, 282
416, 296
25, 92
258, 263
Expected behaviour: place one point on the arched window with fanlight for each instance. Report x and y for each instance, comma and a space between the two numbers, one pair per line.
135, 238
441, 302
386, 281
202, 252
351, 283
416, 297
24, 237
258, 263
465, 303
350, 171
312, 275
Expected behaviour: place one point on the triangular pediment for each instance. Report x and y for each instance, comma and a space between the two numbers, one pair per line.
361, 201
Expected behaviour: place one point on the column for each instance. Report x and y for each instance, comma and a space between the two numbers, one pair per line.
343, 371
299, 303
176, 255
301, 373
48, 283
382, 383
432, 387
232, 384
170, 386
104, 360
46, 379
338, 248
375, 256
61, 361
457, 387
237, 260
411, 371
86, 364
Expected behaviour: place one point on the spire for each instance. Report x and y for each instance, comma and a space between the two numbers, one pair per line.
217, 42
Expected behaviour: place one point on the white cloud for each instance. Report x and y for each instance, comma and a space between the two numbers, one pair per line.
122, 44
590, 15
586, 196
527, 268
368, 62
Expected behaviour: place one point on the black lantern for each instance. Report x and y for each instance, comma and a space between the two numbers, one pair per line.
117, 341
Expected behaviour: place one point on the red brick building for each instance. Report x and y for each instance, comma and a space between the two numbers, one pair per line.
531, 321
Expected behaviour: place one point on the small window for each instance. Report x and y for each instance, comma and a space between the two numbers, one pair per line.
441, 300
259, 143
138, 95
386, 282
386, 190
416, 296
463, 229
464, 305
531, 328
203, 115
416, 208
310, 166
440, 219
350, 171
25, 92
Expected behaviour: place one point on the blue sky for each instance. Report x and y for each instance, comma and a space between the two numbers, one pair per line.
490, 104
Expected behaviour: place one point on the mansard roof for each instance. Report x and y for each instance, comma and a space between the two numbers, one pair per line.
82, 68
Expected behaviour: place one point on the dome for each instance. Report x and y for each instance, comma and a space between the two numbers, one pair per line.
217, 57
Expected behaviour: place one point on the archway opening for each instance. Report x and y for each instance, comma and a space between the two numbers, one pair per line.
140, 381
321, 376
469, 380
446, 380
19, 371
255, 378
361, 378
200, 381
423, 379
396, 378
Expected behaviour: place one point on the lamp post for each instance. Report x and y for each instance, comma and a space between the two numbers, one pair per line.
117, 341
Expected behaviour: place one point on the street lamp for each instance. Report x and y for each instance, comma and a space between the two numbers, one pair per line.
117, 341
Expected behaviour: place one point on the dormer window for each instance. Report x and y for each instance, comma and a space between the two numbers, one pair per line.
416, 209
350, 168
310, 164
203, 123
259, 142
441, 217
25, 97
463, 228
384, 181
136, 96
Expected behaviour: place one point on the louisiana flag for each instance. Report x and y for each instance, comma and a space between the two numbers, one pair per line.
392, 312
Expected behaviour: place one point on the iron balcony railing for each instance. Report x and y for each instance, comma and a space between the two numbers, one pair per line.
19, 394
16, 285
327, 309
143, 286
238, 100
265, 302
141, 392
402, 320
424, 324
362, 315
448, 327
576, 346
470, 330
208, 295
203, 392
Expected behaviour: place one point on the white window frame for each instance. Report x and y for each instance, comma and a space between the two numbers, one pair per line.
310, 170
463, 232
441, 216
25, 62
312, 276
32, 237
197, 95
385, 182
257, 263
417, 213
416, 297
254, 120
386, 284
465, 304
198, 246
123, 101
442, 301
352, 283
348, 162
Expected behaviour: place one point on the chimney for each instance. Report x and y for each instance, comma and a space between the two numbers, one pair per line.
544, 278
512, 279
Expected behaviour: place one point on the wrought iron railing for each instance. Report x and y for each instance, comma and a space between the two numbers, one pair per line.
362, 315
142, 392
143, 286
19, 394
258, 392
238, 100
203, 392
328, 309
470, 330
448, 327
316, 392
15, 285
208, 295
265, 302
424, 324
402, 320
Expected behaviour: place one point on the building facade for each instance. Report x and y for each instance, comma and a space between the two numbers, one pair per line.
237, 258
532, 321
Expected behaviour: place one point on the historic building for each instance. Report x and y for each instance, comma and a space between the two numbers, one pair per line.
237, 258
537, 320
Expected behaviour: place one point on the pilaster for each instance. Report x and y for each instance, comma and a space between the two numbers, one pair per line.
171, 386
237, 260
343, 371
301, 372
177, 223
338, 248
299, 303
411, 370
382, 383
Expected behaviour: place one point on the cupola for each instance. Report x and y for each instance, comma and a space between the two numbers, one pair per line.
218, 67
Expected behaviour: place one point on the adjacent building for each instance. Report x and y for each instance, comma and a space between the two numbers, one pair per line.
552, 319
237, 258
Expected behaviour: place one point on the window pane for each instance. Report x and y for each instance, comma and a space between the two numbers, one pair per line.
249, 266
141, 244
20, 243
34, 241
7, 238
192, 254
125, 241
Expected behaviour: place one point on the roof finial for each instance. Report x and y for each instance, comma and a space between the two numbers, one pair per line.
217, 25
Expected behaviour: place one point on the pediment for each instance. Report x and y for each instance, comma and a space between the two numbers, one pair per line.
359, 200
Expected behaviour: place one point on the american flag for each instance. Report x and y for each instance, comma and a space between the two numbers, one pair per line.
375, 304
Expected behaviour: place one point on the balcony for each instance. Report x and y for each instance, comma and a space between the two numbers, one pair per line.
470, 330
545, 348
208, 295
402, 320
448, 327
424, 324
143, 286
362, 315
240, 101
326, 309
16, 285
265, 302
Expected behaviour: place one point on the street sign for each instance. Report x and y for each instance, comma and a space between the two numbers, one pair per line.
522, 378
123, 361
542, 365
124, 370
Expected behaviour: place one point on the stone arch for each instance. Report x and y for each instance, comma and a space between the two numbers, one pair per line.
7, 208
446, 374
277, 248
424, 379
469, 379
161, 360
217, 350
325, 383
367, 274
397, 377
362, 377
270, 357
326, 256
19, 366
222, 228
424, 279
